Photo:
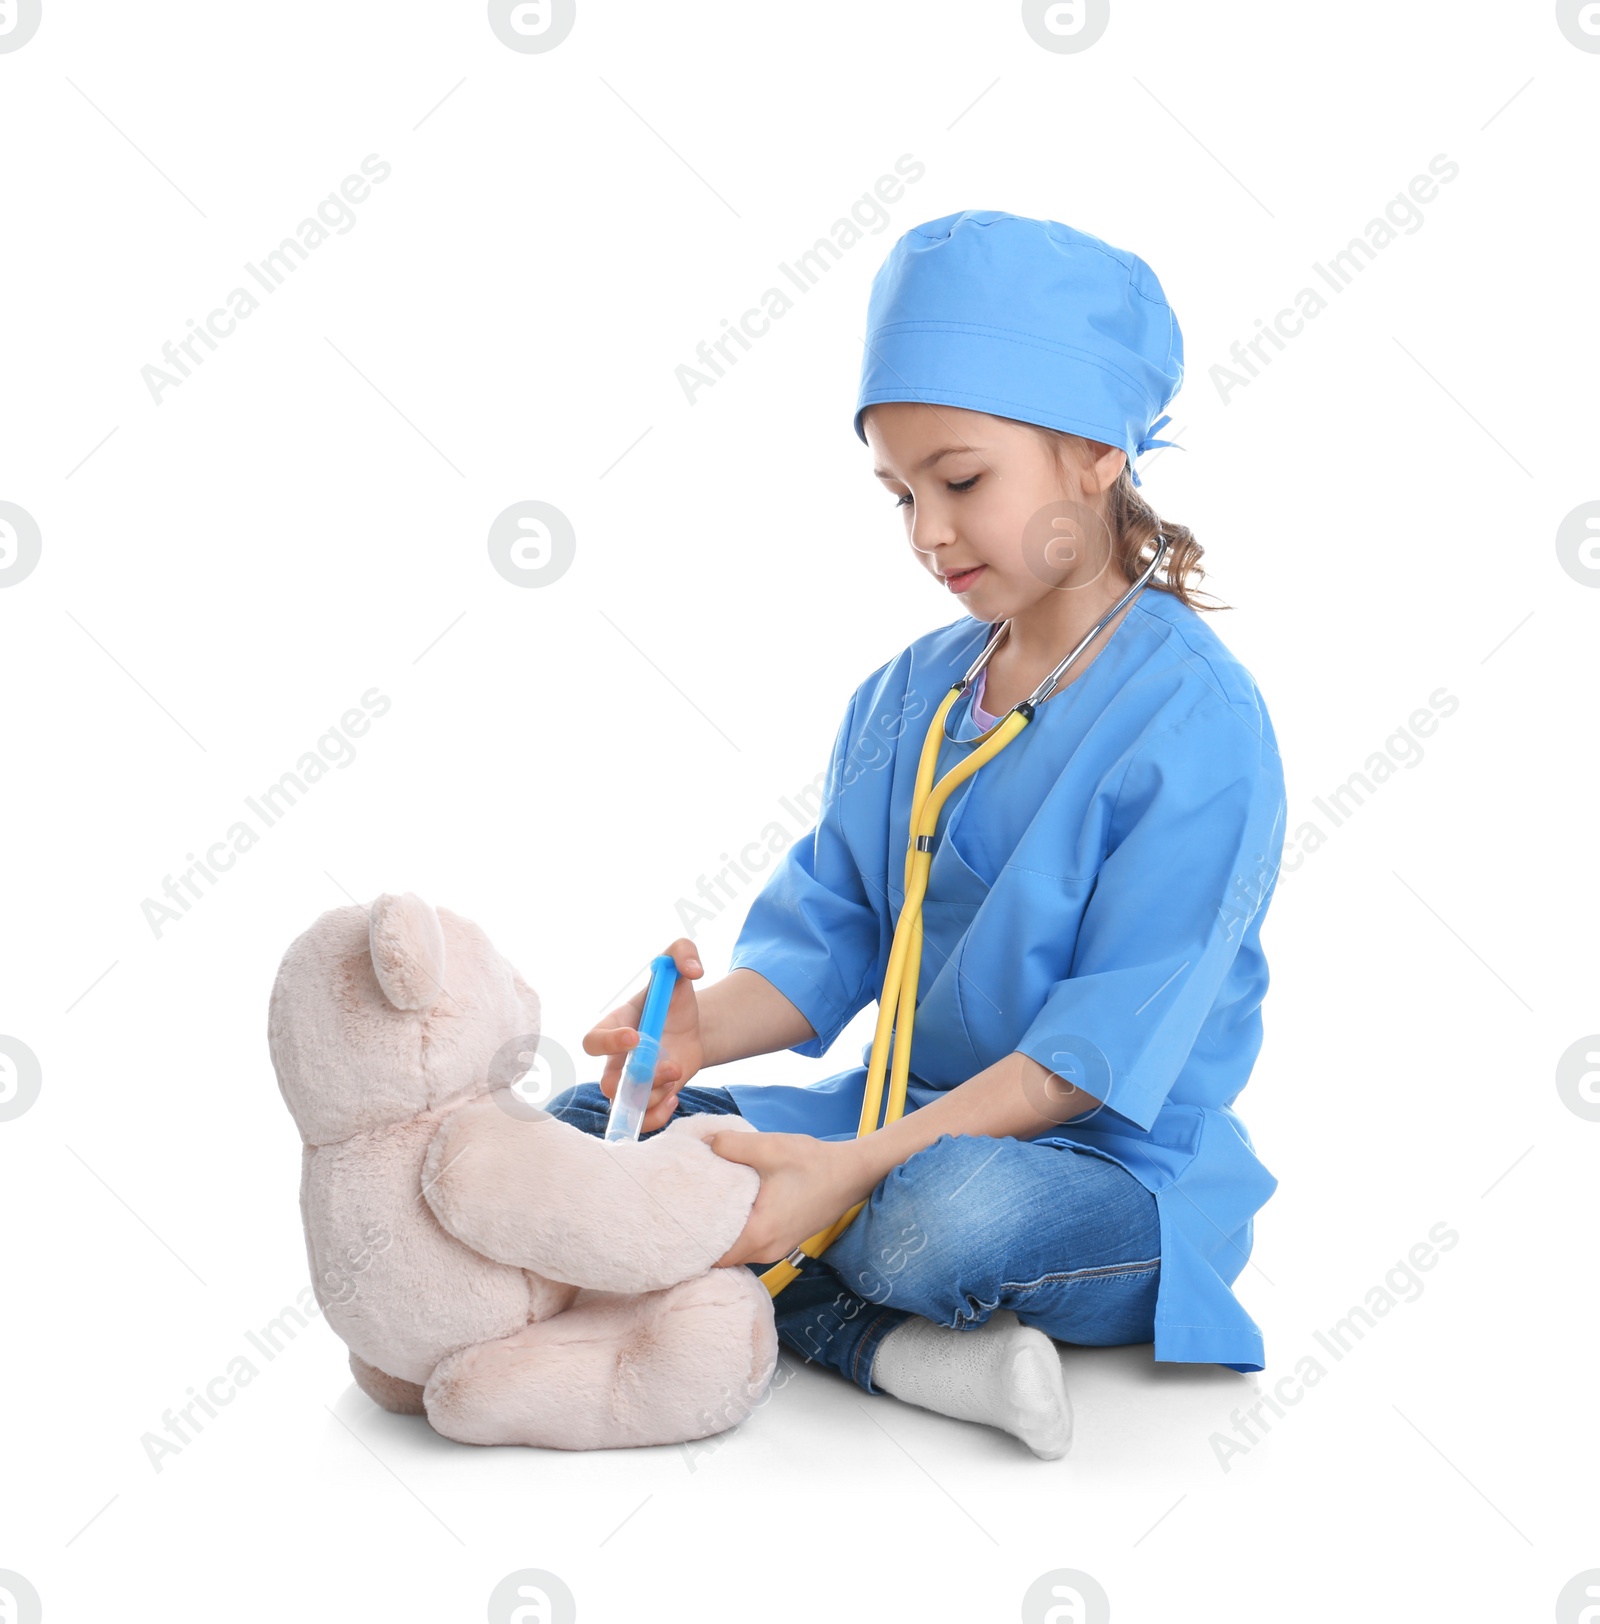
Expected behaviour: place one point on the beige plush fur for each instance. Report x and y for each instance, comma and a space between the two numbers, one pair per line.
513, 1278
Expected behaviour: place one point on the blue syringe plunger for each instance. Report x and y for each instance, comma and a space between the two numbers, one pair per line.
639, 1070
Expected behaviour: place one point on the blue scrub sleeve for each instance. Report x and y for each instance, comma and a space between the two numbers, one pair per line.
813, 931
1195, 839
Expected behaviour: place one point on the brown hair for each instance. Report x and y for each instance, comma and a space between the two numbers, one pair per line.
1134, 526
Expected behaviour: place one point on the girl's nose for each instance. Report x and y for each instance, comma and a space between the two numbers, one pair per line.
928, 535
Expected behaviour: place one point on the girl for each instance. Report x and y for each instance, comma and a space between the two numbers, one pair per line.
1069, 1167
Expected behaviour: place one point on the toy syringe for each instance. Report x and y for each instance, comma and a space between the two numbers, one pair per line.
638, 1073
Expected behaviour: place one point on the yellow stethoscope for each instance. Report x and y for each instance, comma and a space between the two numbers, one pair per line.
897, 1014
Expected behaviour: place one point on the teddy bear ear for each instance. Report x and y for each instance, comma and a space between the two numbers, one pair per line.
407, 950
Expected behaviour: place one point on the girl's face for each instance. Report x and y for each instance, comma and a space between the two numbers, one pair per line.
990, 511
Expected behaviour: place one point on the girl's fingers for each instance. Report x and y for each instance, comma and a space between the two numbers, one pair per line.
625, 1018
617, 1034
665, 1083
659, 1114
611, 1040
663, 1100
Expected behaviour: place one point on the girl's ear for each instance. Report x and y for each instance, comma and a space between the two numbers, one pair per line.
1109, 461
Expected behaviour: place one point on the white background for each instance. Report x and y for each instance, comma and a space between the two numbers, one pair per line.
305, 518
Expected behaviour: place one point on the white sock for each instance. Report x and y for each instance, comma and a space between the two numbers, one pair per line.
1002, 1373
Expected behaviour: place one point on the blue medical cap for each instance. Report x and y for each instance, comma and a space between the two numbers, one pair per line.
1026, 319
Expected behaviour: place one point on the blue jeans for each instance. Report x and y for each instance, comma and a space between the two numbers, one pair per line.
969, 1224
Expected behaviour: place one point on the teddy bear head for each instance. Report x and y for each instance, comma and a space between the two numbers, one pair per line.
380, 1013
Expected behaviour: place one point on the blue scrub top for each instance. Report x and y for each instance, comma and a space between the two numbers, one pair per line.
1095, 901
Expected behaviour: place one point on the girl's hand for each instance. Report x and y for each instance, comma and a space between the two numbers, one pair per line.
806, 1184
680, 1056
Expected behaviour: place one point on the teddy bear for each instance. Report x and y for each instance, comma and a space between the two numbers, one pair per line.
507, 1275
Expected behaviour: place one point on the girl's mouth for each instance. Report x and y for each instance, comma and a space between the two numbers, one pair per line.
962, 581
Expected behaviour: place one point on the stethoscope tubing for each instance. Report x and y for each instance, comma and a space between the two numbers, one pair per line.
1048, 686
897, 1013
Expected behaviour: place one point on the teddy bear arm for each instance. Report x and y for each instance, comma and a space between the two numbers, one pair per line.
482, 1171
546, 1197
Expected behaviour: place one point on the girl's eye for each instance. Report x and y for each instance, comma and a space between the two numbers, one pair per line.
965, 485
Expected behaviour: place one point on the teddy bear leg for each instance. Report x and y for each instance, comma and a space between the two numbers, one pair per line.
616, 1372
400, 1397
